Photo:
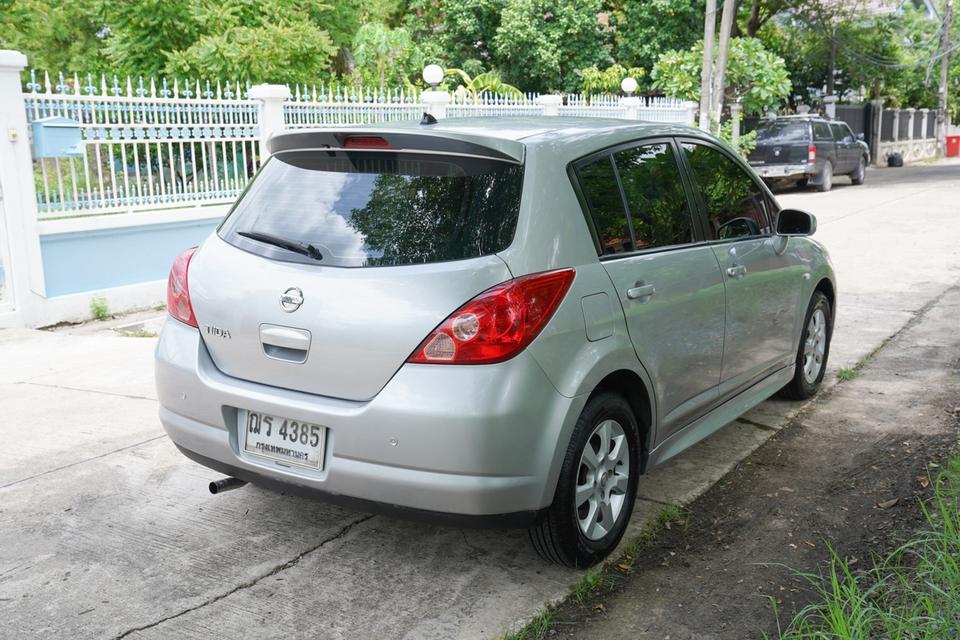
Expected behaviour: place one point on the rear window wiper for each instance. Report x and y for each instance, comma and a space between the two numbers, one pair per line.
303, 248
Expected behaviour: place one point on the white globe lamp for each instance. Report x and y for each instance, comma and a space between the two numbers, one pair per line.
433, 75
629, 85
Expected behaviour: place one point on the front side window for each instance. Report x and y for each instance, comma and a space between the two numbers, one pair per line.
599, 183
734, 203
840, 132
654, 192
369, 209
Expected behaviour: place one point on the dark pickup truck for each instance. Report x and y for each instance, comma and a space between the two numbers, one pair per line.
808, 149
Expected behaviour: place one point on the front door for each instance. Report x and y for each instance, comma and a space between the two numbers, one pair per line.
667, 279
762, 278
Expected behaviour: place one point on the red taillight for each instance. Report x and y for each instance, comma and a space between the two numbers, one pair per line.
178, 291
811, 153
497, 324
366, 142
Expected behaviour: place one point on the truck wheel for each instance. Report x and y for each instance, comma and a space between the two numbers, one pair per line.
826, 177
858, 176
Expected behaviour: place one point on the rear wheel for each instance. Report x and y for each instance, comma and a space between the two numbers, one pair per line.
811, 363
826, 177
858, 176
596, 489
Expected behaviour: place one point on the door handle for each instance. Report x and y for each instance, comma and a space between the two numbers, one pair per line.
641, 292
737, 271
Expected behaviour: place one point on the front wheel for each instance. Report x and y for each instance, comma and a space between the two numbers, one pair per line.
811, 363
858, 176
596, 489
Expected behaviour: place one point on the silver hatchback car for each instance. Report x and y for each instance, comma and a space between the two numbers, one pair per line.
489, 321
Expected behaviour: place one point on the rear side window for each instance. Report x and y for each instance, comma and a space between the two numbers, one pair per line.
735, 205
821, 131
368, 209
654, 191
603, 197
783, 131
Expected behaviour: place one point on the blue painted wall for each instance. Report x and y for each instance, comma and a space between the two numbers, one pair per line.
90, 260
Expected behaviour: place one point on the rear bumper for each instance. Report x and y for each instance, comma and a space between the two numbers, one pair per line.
784, 171
472, 443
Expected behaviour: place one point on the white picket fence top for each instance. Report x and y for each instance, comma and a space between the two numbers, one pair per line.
153, 144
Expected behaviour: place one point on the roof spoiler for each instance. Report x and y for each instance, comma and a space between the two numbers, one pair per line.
450, 143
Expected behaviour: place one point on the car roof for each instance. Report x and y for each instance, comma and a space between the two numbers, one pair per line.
509, 135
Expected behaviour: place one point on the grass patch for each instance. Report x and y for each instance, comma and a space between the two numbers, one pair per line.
140, 333
603, 579
846, 374
913, 592
98, 308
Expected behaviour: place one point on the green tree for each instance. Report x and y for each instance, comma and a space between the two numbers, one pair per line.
540, 44
456, 33
385, 56
644, 30
55, 35
594, 81
474, 86
755, 77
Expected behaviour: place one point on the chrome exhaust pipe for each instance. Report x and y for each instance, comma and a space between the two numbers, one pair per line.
225, 484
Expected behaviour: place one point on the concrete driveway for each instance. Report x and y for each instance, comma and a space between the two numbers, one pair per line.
107, 532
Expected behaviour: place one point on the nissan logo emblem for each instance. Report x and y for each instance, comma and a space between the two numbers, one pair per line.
291, 299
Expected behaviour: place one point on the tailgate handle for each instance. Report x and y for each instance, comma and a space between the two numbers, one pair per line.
285, 343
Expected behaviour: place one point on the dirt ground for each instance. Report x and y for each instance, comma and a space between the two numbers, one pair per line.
848, 471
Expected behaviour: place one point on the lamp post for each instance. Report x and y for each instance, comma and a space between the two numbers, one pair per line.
630, 103
434, 101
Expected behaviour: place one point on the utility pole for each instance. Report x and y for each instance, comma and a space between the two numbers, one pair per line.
709, 25
944, 67
726, 24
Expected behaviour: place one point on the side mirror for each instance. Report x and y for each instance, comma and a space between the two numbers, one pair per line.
793, 222
861, 137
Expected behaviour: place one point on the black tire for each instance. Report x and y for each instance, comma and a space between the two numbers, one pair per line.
801, 388
558, 537
858, 176
826, 177
802, 183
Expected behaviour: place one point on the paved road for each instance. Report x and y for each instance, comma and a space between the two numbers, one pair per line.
107, 532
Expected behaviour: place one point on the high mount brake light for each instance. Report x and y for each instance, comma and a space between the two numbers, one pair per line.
178, 290
497, 324
366, 142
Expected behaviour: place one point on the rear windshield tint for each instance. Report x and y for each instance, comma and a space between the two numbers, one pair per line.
368, 209
783, 132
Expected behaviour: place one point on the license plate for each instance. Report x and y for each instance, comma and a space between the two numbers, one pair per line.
282, 439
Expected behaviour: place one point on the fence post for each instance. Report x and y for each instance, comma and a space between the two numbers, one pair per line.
550, 103
830, 106
876, 129
691, 108
896, 125
735, 110
269, 111
631, 107
18, 206
435, 103
924, 115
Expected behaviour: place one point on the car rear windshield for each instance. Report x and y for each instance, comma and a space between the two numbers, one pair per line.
783, 132
372, 208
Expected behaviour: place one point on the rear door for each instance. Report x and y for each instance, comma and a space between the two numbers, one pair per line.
762, 280
399, 241
668, 280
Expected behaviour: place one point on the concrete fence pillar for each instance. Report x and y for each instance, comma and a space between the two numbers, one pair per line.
435, 103
830, 106
735, 110
550, 103
910, 114
896, 125
924, 119
631, 107
875, 127
691, 108
19, 227
270, 112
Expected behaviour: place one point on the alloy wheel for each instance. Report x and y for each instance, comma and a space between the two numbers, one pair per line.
603, 478
814, 346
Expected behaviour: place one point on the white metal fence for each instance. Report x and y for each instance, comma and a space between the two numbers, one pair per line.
159, 144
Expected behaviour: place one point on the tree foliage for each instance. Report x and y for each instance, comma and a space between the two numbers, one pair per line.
644, 30
540, 44
594, 81
755, 77
385, 56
